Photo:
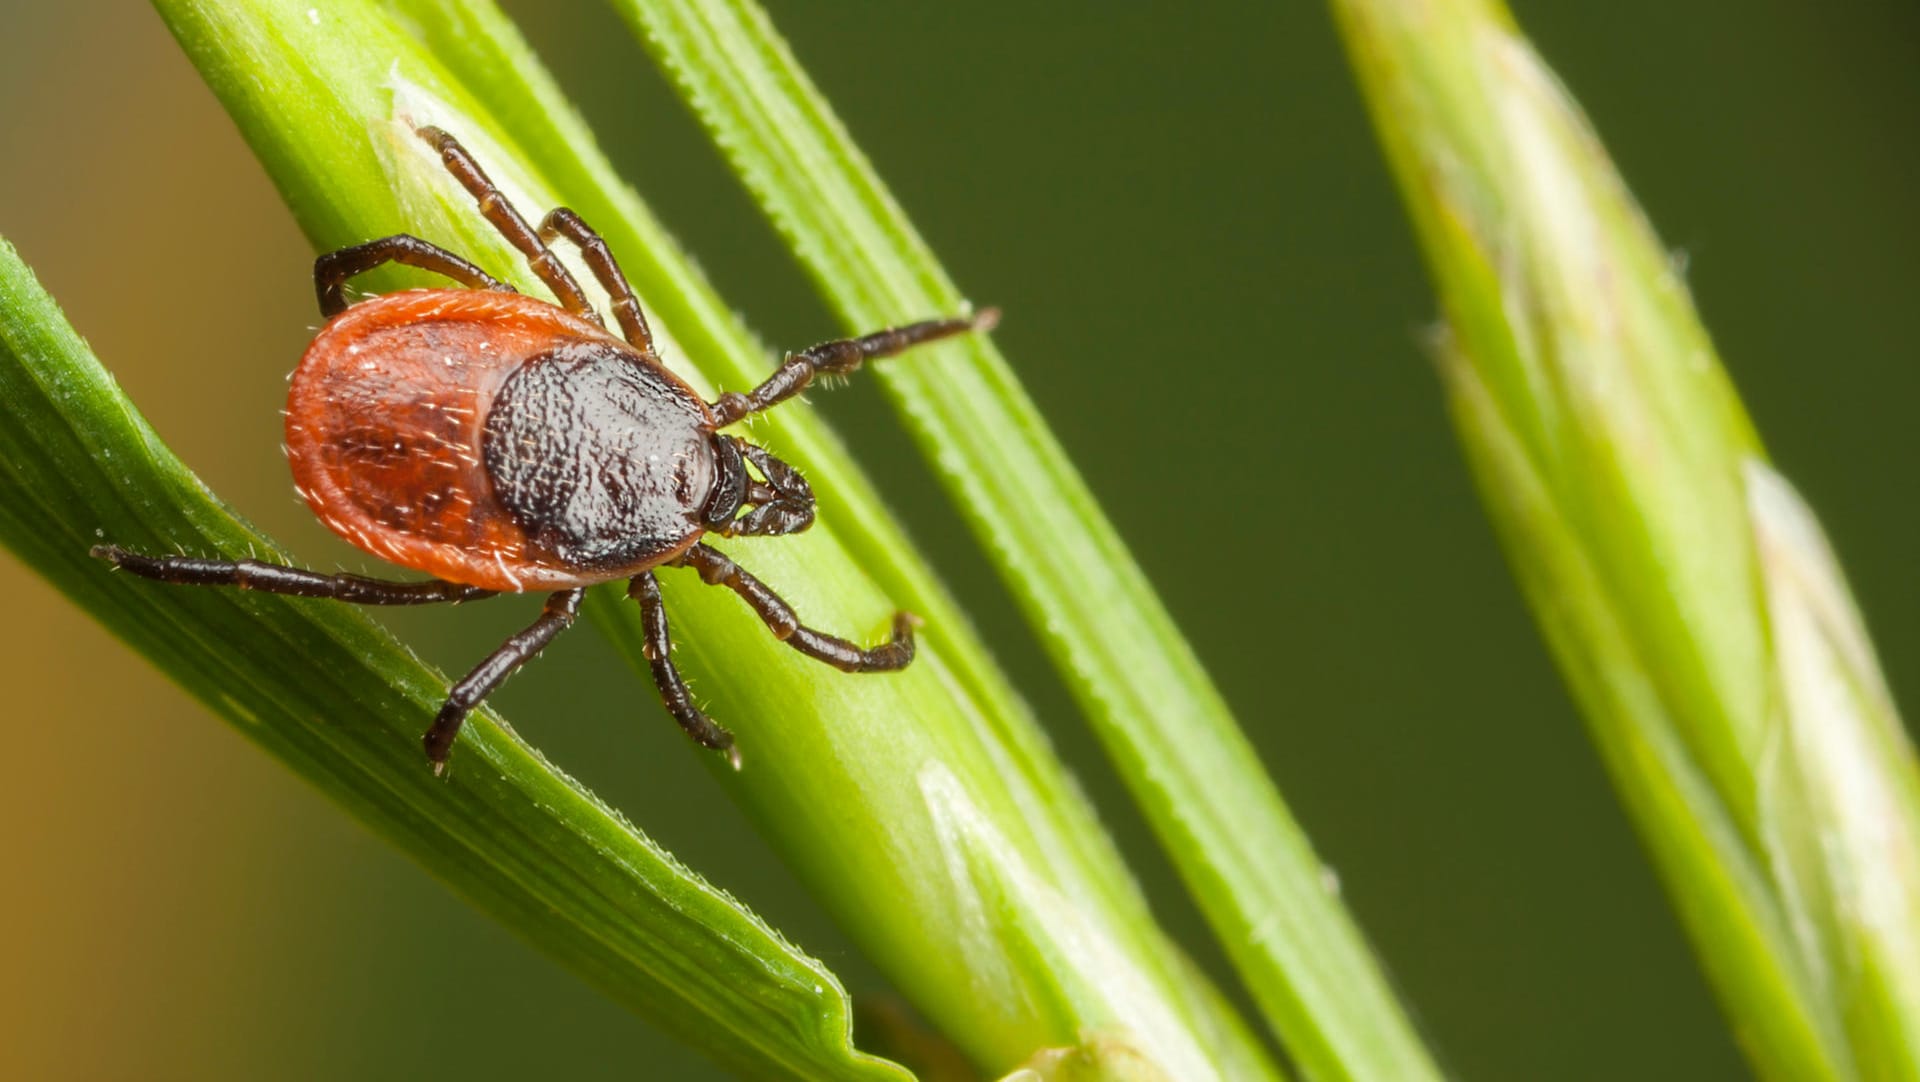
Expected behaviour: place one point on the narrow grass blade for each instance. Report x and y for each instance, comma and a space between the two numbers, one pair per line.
922, 809
1165, 725
325, 690
1687, 592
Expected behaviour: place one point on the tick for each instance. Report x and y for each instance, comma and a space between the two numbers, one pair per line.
502, 444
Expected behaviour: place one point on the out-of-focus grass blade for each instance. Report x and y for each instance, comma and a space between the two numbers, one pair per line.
1166, 727
327, 691
1685, 589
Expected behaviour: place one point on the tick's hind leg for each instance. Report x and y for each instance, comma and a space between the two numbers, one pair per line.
658, 645
331, 271
491, 673
281, 579
496, 210
717, 570
840, 356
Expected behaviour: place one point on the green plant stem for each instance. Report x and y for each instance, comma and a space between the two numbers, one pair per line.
973, 876
1177, 746
1687, 592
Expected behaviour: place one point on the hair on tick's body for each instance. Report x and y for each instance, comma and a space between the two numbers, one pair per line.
503, 444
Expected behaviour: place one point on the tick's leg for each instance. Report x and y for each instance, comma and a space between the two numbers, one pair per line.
495, 209
843, 355
491, 673
658, 645
280, 579
717, 570
331, 271
561, 222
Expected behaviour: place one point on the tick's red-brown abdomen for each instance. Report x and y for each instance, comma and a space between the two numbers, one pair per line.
385, 427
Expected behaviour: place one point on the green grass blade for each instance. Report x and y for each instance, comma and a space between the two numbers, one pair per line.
327, 691
1686, 590
1165, 725
908, 802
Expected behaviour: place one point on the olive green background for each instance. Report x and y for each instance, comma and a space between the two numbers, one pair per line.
1210, 289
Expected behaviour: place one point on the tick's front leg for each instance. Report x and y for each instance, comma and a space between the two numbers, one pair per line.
840, 356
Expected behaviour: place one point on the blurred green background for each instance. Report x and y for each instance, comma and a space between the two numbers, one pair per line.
1211, 291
